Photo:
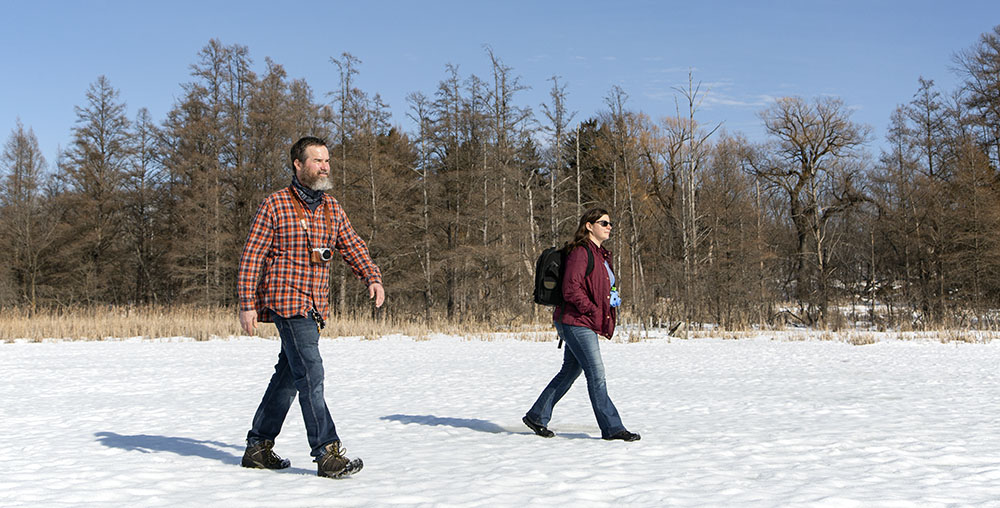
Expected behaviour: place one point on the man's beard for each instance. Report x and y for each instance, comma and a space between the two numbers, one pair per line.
320, 183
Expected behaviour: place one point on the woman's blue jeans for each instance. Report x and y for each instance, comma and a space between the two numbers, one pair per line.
582, 354
299, 371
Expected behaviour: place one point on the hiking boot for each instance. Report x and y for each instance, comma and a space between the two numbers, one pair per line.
624, 435
539, 429
260, 456
333, 463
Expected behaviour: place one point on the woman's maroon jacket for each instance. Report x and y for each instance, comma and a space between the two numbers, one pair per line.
587, 297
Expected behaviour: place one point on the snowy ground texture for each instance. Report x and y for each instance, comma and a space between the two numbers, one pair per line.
750, 422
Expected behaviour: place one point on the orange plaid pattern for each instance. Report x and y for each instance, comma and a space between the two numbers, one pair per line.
278, 248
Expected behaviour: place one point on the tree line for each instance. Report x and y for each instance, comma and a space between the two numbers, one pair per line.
805, 227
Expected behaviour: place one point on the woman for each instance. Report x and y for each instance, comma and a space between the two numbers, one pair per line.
589, 309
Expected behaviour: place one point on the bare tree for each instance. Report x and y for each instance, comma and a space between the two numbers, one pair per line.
973, 219
450, 153
94, 167
814, 148
25, 227
980, 66
420, 113
504, 118
208, 148
896, 230
926, 133
626, 129
690, 148
559, 119
144, 230
345, 99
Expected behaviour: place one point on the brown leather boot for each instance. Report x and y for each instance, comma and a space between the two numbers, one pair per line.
259, 455
333, 463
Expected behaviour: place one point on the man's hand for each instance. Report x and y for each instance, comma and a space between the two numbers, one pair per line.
377, 292
248, 320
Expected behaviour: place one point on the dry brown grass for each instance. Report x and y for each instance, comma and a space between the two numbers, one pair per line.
204, 323
861, 338
968, 336
98, 323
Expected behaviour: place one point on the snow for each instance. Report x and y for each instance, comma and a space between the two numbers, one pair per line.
749, 422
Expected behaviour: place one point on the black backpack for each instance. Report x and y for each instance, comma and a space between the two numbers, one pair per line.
549, 273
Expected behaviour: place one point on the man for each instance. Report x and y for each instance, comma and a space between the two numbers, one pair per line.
291, 241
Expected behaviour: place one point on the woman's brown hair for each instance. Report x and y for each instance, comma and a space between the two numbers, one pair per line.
582, 233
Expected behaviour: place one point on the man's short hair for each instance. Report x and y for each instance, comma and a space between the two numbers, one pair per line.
298, 151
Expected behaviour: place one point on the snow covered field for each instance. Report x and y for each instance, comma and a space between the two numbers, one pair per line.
752, 422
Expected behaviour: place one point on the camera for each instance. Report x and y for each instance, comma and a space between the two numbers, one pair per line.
320, 255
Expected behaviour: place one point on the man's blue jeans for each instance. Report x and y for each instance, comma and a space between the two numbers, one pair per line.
582, 354
299, 371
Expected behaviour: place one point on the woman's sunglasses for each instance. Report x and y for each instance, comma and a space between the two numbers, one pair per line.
605, 223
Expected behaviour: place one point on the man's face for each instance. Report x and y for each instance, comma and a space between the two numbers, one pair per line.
314, 172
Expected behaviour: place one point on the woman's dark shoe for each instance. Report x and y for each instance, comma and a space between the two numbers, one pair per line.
624, 435
539, 429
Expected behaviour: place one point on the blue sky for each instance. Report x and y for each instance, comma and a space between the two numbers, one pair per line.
745, 53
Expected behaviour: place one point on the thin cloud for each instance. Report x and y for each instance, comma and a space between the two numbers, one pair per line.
721, 94
675, 70
718, 99
715, 85
659, 94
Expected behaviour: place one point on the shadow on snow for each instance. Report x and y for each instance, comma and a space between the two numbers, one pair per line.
183, 446
468, 423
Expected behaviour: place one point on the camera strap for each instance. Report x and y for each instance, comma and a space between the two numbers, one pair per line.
300, 212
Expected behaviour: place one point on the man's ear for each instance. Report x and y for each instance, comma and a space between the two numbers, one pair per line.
296, 165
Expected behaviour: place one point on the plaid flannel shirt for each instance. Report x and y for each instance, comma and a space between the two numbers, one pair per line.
278, 247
